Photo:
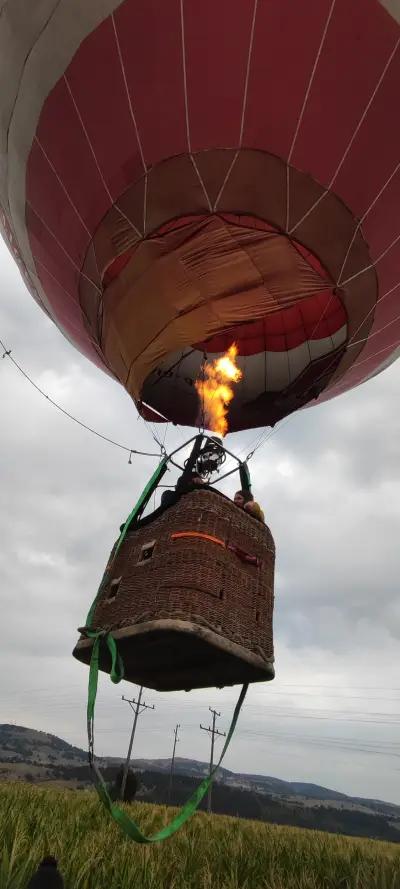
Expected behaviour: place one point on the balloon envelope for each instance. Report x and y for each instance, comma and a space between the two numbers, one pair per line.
178, 176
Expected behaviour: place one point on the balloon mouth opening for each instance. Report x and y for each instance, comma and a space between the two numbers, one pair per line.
285, 354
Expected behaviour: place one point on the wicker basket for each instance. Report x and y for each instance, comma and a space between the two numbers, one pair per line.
190, 598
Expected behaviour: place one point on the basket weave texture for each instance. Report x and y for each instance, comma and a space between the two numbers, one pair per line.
191, 578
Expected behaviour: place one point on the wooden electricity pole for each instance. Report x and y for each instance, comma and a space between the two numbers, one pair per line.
171, 774
212, 731
138, 707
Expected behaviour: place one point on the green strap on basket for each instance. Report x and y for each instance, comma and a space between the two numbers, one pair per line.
116, 674
244, 474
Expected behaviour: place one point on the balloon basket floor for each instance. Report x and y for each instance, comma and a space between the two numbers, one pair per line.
178, 655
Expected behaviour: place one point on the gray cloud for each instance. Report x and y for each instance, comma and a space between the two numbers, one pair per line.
329, 482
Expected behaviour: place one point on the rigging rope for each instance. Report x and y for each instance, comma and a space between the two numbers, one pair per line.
130, 451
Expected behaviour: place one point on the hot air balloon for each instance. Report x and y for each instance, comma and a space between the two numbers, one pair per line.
177, 178
173, 179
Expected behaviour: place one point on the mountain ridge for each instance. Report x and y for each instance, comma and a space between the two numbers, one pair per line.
20, 745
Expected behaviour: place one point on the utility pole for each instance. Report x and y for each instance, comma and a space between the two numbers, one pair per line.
171, 774
212, 731
138, 707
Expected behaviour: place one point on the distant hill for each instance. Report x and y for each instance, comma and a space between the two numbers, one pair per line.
312, 793
20, 744
30, 755
262, 783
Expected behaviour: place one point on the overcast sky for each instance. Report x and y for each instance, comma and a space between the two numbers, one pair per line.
329, 482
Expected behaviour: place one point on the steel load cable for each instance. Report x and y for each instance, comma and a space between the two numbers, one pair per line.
7, 354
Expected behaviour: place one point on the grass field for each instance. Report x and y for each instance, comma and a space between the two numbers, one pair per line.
210, 853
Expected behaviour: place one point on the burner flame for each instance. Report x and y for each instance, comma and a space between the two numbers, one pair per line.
215, 389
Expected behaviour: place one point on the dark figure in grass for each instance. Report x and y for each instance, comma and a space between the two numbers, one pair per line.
47, 876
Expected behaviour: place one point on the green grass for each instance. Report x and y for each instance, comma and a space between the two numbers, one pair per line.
210, 853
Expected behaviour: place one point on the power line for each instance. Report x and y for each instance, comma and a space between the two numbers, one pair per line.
352, 687
388, 749
116, 444
169, 697
335, 719
282, 709
308, 694
48, 707
356, 745
68, 697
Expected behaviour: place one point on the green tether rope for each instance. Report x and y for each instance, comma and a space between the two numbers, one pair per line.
116, 674
126, 823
